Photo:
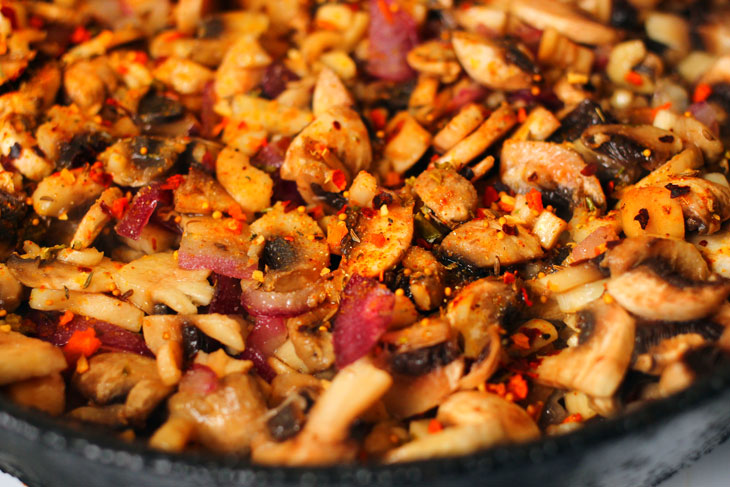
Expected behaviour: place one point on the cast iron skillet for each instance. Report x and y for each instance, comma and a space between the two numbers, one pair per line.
638, 449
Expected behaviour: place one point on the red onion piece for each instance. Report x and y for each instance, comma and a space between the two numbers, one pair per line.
364, 315
141, 209
259, 363
465, 95
268, 334
275, 79
112, 337
271, 303
392, 34
199, 379
705, 114
227, 297
210, 244
270, 158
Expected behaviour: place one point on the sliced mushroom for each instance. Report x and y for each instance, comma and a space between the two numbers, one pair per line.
475, 420
242, 67
705, 204
26, 358
596, 366
530, 164
112, 375
435, 58
138, 161
624, 150
562, 17
493, 65
672, 254
336, 140
95, 219
479, 243
691, 131
381, 240
478, 307
64, 191
312, 339
450, 196
407, 142
11, 290
35, 272
225, 420
329, 91
426, 278
47, 394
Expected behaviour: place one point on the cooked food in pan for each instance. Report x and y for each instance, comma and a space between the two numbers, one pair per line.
389, 230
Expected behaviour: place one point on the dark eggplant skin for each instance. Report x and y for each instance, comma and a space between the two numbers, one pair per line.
638, 449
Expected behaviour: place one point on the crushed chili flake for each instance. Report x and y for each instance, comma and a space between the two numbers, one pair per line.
521, 115
378, 116
589, 169
140, 57
317, 212
634, 78
490, 196
65, 318
36, 22
508, 277
498, 389
702, 92
385, 10
656, 110
573, 418
525, 297
173, 182
289, 206
393, 180
79, 35
368, 212
236, 213
434, 426
676, 191
82, 343
521, 340
342, 210
423, 244
517, 385
509, 229
378, 240
339, 179
534, 200
643, 218
119, 207
99, 176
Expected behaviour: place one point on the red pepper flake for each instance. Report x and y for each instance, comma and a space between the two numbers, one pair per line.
525, 297
534, 200
589, 169
173, 182
140, 57
508, 277
208, 160
385, 10
658, 109
434, 426
378, 240
490, 196
171, 36
368, 212
339, 179
521, 340
289, 206
342, 210
119, 207
434, 158
80, 34
702, 92
317, 212
634, 78
423, 244
65, 318
675, 191
643, 218
82, 342
97, 174
481, 214
703, 243
36, 22
505, 207
378, 116
218, 128
573, 418
235, 226
521, 115
236, 213
517, 385
498, 389
9, 13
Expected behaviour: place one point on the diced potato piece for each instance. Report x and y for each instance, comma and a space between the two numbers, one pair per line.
250, 187
408, 142
47, 394
112, 375
269, 115
651, 211
539, 125
463, 123
169, 363
548, 229
97, 306
159, 329
26, 358
184, 76
65, 190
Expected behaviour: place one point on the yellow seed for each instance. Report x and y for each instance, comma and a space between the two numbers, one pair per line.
217, 215
346, 194
82, 365
383, 210
543, 299
607, 298
399, 292
447, 291
341, 217
258, 276
63, 216
3, 312
481, 387
178, 219
143, 150
175, 255
535, 91
324, 271
35, 222
322, 328
646, 153
540, 275
310, 237
301, 209
205, 205
29, 201
502, 220
500, 235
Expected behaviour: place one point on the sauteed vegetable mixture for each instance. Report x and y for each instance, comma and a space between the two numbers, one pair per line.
320, 232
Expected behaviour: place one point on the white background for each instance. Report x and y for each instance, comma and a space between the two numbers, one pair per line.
712, 470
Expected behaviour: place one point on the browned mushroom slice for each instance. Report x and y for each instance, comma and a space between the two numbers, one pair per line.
451, 197
47, 394
681, 256
25, 358
691, 131
143, 398
312, 338
37, 273
647, 293
426, 278
479, 243
113, 375
705, 204
623, 151
493, 65
225, 420
201, 193
474, 420
478, 307
11, 290
140, 160
596, 366
535, 164
110, 416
